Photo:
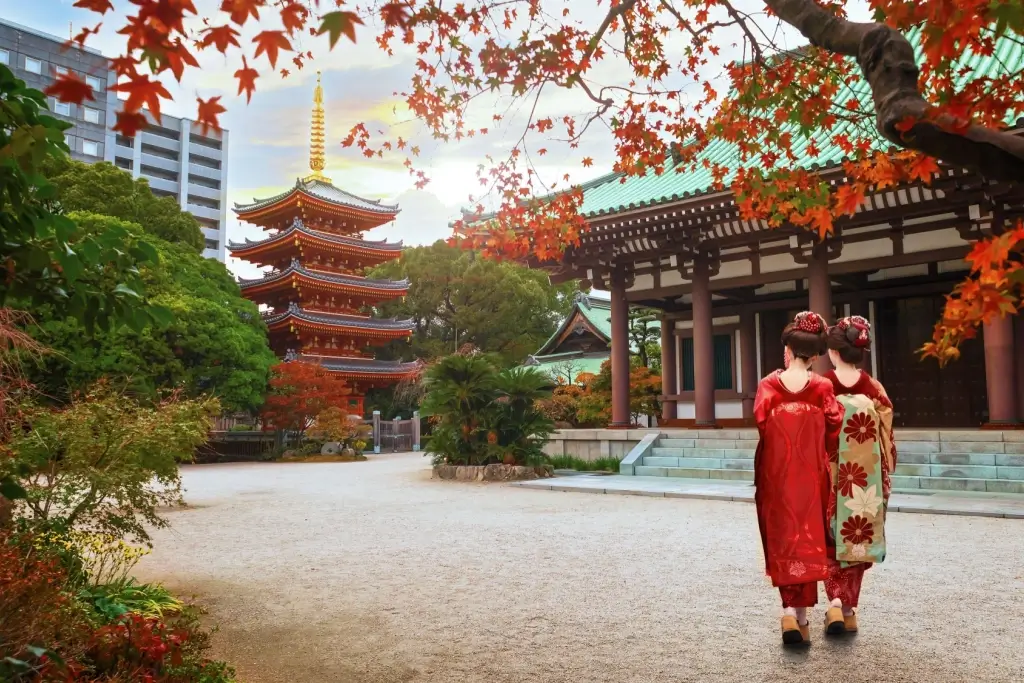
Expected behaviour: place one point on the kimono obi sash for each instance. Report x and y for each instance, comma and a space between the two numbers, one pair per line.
858, 525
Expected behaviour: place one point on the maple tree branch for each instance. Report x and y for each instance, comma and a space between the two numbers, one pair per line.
886, 59
754, 46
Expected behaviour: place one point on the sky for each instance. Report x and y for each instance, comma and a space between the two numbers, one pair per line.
268, 137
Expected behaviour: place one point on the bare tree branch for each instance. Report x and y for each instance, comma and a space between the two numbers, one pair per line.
886, 59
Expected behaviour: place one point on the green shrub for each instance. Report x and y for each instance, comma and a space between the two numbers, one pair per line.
484, 415
571, 462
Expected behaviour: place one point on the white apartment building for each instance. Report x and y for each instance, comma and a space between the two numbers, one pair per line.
175, 156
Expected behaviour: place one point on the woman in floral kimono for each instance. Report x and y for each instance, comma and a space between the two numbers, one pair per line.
798, 421
860, 470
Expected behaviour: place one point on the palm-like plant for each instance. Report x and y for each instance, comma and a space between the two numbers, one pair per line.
485, 415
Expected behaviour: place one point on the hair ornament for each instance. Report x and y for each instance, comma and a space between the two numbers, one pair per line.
858, 330
809, 321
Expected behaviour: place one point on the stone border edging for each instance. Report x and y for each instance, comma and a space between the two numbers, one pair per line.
627, 464
493, 472
965, 507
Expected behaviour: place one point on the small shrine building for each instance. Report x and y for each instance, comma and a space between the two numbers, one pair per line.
580, 344
315, 295
726, 287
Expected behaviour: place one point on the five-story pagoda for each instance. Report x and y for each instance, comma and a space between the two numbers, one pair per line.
315, 294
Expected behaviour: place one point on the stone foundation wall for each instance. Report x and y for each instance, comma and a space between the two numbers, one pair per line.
593, 444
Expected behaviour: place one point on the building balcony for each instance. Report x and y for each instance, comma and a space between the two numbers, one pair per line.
203, 191
162, 185
161, 163
205, 171
203, 212
158, 141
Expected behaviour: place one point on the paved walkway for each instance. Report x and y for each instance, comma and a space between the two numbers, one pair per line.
952, 503
371, 572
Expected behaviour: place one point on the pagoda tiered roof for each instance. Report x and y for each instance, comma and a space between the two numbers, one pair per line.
337, 281
359, 368
355, 324
387, 250
321, 195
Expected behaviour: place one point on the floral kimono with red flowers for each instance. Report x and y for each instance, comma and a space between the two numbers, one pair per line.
791, 476
860, 469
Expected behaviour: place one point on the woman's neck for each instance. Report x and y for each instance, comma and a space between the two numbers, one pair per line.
847, 373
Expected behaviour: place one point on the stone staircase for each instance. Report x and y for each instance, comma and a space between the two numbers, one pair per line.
976, 460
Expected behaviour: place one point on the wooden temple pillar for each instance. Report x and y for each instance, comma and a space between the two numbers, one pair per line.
620, 353
860, 307
819, 295
669, 373
1000, 373
748, 361
703, 347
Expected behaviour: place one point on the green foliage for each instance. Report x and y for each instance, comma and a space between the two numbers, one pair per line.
48, 260
595, 405
457, 298
103, 188
213, 342
645, 337
106, 464
571, 462
110, 601
484, 415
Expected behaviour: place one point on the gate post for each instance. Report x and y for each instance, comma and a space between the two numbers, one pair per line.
395, 431
376, 431
415, 431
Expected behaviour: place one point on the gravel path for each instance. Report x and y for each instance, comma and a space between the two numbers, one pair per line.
373, 573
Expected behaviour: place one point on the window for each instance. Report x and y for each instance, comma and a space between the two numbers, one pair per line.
33, 65
62, 70
90, 148
121, 162
125, 141
94, 83
5, 57
723, 344
69, 141
91, 115
212, 244
62, 108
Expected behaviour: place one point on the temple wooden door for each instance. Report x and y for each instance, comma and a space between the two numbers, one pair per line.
924, 395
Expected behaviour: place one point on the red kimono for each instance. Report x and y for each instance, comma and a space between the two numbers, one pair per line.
797, 431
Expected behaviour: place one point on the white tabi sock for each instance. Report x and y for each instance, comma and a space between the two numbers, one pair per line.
801, 615
788, 612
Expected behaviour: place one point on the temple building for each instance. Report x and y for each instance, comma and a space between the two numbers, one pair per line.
726, 286
315, 296
580, 344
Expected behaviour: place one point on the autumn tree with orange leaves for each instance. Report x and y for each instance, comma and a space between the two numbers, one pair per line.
678, 55
299, 392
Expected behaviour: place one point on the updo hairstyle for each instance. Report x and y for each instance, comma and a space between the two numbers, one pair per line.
805, 336
850, 338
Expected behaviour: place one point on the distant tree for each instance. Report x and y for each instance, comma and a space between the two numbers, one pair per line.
299, 392
106, 189
595, 405
456, 298
566, 371
213, 342
645, 336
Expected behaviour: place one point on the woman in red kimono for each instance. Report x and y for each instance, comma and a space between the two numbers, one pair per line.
798, 421
860, 469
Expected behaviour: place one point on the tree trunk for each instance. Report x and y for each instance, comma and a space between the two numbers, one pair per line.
887, 61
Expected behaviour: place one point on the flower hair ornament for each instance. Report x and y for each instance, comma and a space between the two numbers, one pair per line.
809, 321
857, 329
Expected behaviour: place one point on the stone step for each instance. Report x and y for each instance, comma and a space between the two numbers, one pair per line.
694, 473
702, 453
957, 484
700, 463
714, 444
962, 471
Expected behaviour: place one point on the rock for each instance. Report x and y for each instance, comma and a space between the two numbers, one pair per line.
492, 472
348, 452
331, 448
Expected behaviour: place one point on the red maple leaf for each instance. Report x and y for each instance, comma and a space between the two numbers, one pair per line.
209, 110
396, 14
246, 80
220, 37
587, 161
241, 9
69, 88
129, 123
98, 6
143, 91
293, 16
271, 42
848, 199
124, 65
923, 168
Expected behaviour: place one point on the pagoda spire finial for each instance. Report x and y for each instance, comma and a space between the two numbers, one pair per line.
317, 158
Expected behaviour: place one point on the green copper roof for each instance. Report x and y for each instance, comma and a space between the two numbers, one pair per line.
557, 364
609, 194
596, 311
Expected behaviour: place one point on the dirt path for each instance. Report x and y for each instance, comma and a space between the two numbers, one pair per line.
372, 573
